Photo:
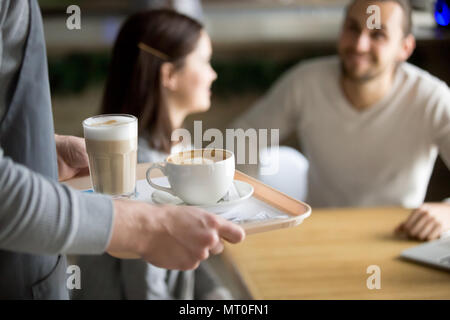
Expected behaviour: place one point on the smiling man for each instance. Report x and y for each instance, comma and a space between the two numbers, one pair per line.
369, 58
370, 124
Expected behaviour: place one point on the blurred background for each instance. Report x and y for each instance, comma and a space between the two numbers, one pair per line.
254, 42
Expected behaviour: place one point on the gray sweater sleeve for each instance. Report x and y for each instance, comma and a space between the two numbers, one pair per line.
38, 215
41, 216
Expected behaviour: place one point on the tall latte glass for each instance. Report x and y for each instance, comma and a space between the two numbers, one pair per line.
111, 143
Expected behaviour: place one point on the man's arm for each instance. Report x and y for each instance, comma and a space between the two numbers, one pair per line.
431, 220
440, 119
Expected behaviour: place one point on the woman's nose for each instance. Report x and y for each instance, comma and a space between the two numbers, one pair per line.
213, 74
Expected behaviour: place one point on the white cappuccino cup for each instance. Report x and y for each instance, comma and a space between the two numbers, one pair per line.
198, 177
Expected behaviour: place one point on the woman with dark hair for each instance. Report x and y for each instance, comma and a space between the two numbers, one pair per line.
160, 72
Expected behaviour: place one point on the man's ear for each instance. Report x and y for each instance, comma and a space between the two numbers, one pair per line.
408, 46
168, 76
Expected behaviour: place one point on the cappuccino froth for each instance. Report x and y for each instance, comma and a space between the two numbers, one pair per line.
196, 161
202, 156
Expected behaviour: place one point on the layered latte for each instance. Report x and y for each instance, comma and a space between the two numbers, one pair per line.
111, 143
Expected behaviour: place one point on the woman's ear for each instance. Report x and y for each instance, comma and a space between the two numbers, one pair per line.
168, 76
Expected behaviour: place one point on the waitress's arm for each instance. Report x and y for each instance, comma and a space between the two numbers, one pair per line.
41, 216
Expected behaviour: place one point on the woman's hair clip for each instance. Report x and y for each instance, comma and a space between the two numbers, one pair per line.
153, 51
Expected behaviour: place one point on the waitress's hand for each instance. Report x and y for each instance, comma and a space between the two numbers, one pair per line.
170, 237
427, 222
73, 160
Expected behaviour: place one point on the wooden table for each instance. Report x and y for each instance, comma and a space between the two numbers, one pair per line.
327, 257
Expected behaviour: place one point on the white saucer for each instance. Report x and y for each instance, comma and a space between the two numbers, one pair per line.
244, 190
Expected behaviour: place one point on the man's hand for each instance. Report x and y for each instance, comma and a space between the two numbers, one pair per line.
170, 237
427, 222
72, 157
